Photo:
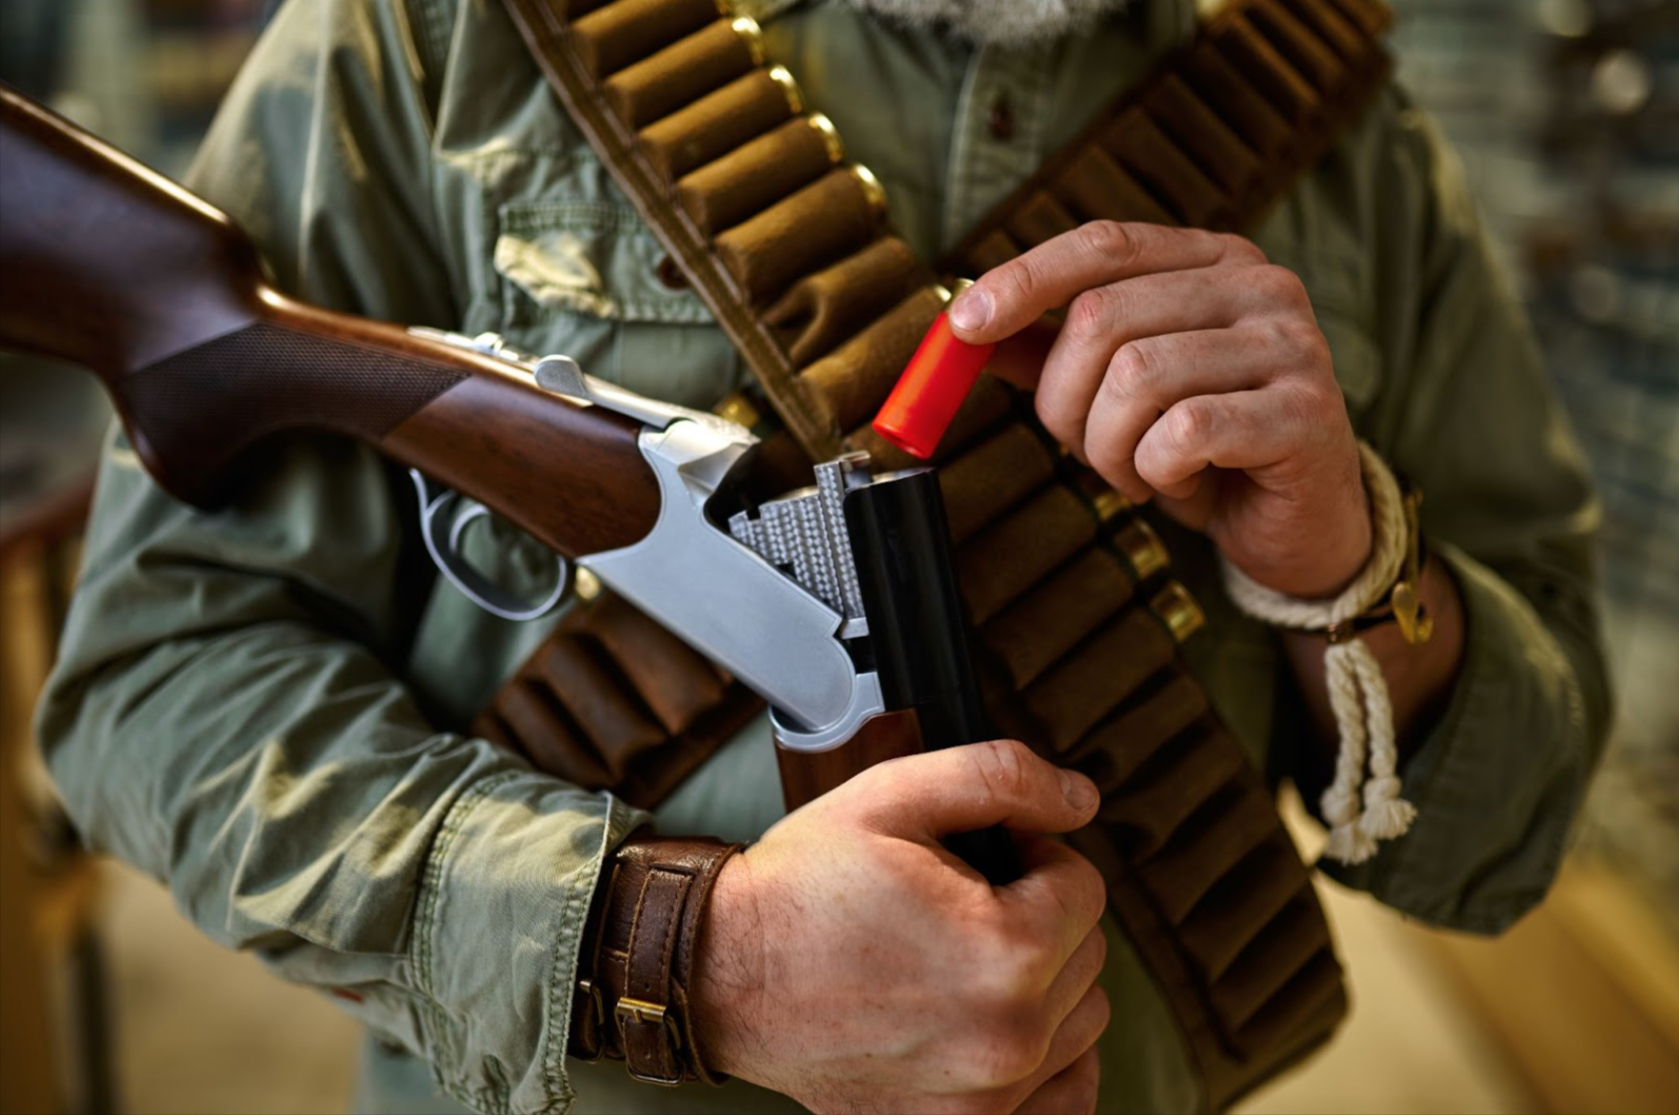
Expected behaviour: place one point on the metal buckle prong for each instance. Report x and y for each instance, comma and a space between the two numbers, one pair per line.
628, 1010
640, 1010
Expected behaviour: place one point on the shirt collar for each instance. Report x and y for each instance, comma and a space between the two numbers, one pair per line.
764, 10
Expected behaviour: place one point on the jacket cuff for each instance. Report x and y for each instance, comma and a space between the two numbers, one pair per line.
1498, 780
498, 926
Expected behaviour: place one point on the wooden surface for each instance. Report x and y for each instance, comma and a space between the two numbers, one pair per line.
28, 1061
109, 265
573, 477
807, 775
113, 268
1583, 994
54, 1042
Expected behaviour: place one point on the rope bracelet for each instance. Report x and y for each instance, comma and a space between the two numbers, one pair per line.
1361, 807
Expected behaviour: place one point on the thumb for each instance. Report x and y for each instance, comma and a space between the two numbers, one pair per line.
959, 789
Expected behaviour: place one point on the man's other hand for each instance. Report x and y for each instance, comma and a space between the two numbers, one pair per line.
1191, 369
853, 963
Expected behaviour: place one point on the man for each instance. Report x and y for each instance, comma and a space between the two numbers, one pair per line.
251, 705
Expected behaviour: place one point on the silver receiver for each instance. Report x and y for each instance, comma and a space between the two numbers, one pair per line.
779, 630
804, 535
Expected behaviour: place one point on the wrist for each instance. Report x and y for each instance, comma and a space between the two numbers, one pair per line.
1348, 556
1326, 566
727, 995
1369, 544
642, 944
1362, 804
1325, 557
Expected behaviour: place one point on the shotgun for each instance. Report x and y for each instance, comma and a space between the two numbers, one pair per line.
835, 603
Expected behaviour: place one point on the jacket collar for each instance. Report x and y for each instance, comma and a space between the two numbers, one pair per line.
1169, 22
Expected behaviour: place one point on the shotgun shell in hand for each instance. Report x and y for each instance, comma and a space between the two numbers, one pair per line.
929, 393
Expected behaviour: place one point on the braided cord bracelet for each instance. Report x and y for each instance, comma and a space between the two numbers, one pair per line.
1362, 804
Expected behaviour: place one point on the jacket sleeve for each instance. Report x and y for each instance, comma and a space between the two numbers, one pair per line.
227, 712
1466, 412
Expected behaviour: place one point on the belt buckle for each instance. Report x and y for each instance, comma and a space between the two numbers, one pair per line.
594, 1025
628, 1010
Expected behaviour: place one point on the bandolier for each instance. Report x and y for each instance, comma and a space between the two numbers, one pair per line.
1076, 622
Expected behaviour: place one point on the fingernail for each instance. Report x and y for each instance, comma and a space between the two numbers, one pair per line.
1078, 791
971, 310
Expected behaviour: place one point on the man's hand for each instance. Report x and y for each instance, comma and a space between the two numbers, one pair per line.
854, 964
1191, 369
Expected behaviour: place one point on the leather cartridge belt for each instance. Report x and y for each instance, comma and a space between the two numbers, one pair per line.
1076, 620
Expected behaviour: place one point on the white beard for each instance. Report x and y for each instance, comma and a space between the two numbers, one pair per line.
996, 21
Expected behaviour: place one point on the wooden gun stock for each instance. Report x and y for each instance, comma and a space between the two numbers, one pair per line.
108, 265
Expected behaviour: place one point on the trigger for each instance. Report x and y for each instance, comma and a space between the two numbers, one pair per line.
444, 518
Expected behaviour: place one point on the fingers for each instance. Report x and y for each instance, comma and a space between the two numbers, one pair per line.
1007, 298
1103, 319
1061, 895
1072, 1091
1106, 414
1077, 975
959, 789
1076, 1036
1241, 430
1077, 1032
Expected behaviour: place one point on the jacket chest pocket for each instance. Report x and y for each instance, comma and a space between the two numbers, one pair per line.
590, 280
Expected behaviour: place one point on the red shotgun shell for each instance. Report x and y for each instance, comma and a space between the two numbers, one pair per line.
929, 393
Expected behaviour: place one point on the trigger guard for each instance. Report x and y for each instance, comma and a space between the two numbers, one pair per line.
457, 526
443, 523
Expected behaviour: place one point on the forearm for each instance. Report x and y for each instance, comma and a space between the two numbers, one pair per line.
212, 720
349, 848
1497, 776
1419, 678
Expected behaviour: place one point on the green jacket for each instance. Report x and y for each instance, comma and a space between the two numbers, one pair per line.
261, 706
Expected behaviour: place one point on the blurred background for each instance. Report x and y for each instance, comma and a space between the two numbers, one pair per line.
1566, 114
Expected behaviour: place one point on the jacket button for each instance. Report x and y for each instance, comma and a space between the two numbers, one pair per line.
1000, 119
671, 275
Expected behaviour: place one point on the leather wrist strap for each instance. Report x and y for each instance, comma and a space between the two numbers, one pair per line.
638, 958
